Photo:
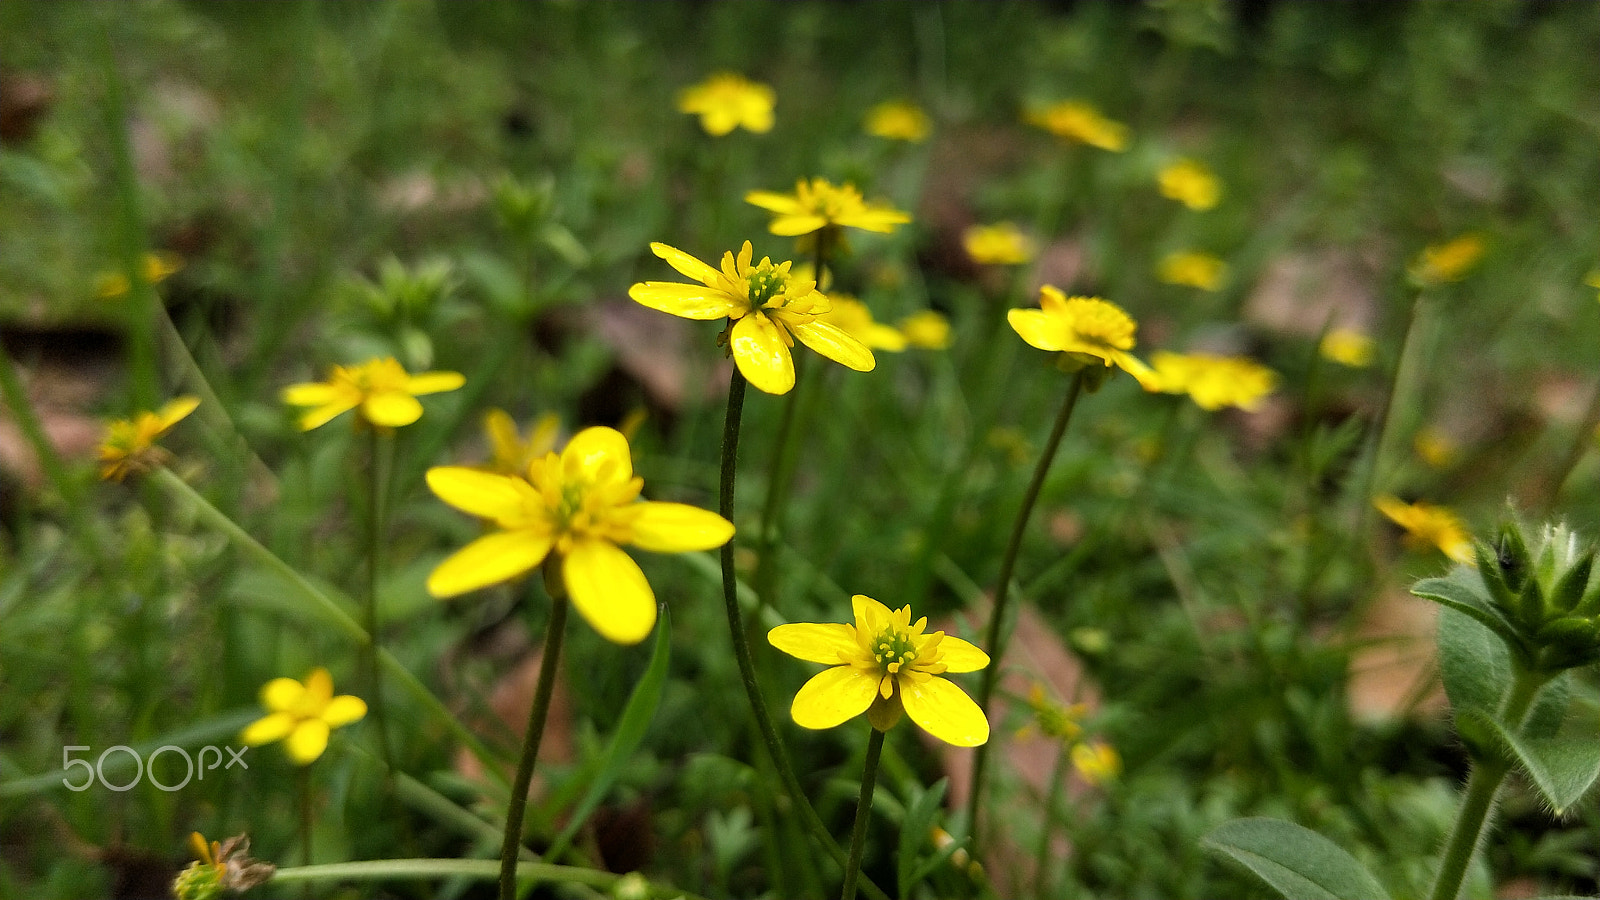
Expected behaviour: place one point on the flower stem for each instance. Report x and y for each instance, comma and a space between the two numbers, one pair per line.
996, 640
386, 869
1052, 812
305, 817
858, 835
512, 844
1406, 369
380, 452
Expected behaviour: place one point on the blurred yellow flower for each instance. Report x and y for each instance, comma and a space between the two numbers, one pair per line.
768, 308
580, 505
927, 330
158, 265
510, 453
854, 318
385, 392
727, 100
882, 664
129, 446
1428, 526
1053, 720
1191, 183
1000, 244
1593, 280
1191, 269
1214, 382
1097, 762
1450, 261
1435, 447
1087, 328
304, 714
1347, 347
818, 204
1078, 121
898, 120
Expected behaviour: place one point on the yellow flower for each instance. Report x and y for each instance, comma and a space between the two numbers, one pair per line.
1054, 720
383, 389
158, 266
1196, 270
1214, 381
1000, 244
304, 714
726, 101
578, 505
1428, 526
1435, 447
898, 120
1450, 261
1078, 121
854, 318
1347, 347
818, 204
510, 453
1190, 183
927, 330
885, 662
1097, 762
129, 446
1087, 328
768, 306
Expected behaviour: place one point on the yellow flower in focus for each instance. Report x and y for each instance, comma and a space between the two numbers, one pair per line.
898, 120
1347, 347
579, 505
302, 715
158, 266
1196, 270
1450, 261
1428, 526
129, 446
1435, 447
882, 664
854, 318
1078, 121
768, 306
385, 392
1190, 183
510, 453
818, 204
926, 330
1000, 244
1088, 329
726, 101
1214, 382
1097, 762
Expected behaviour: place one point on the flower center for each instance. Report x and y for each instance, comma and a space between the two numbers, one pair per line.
766, 282
893, 650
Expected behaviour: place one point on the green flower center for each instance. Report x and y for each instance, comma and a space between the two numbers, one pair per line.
893, 650
766, 282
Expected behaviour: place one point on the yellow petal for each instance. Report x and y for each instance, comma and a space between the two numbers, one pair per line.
832, 342
684, 263
434, 382
483, 494
176, 410
871, 616
689, 301
322, 415
504, 442
597, 455
319, 689
678, 528
1035, 327
796, 225
307, 741
313, 393
344, 709
391, 409
489, 560
961, 656
828, 642
266, 730
784, 204
833, 696
282, 694
761, 354
944, 711
609, 591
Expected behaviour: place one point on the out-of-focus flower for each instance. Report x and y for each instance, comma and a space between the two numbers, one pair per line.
854, 318
1214, 382
1078, 121
220, 868
158, 266
1593, 280
927, 330
385, 392
959, 857
728, 100
1435, 447
1192, 269
302, 715
1450, 261
1000, 244
510, 452
129, 446
1053, 720
1191, 183
818, 204
1088, 329
1347, 347
898, 120
1097, 762
1428, 527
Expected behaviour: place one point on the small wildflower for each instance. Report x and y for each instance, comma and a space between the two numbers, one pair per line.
304, 714
854, 318
1097, 762
726, 101
898, 120
1053, 720
157, 265
1087, 329
385, 392
1347, 347
819, 204
959, 857
1078, 121
129, 447
1000, 244
926, 330
579, 505
220, 868
1192, 269
881, 665
1214, 382
1428, 526
1450, 261
1190, 183
1434, 447
511, 454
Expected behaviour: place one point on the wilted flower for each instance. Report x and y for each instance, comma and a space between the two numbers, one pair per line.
898, 120
1428, 526
1192, 269
220, 868
726, 101
1078, 121
130, 447
1190, 183
1450, 261
1347, 347
1000, 244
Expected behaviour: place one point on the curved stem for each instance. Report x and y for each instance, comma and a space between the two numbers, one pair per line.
1400, 389
996, 641
858, 835
379, 453
512, 845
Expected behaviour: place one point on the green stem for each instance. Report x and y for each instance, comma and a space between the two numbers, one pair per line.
16, 398
858, 834
397, 869
512, 845
306, 819
780, 470
1052, 812
1575, 450
1400, 389
380, 452
995, 643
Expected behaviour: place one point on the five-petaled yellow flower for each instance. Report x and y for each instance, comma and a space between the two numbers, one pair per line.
768, 306
855, 319
158, 266
726, 101
510, 453
129, 446
1450, 261
1191, 269
927, 330
1428, 526
819, 204
302, 715
1214, 382
1347, 347
1087, 329
898, 120
1000, 244
385, 392
1191, 183
881, 664
1078, 121
579, 505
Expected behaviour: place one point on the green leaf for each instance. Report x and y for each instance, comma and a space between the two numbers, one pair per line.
636, 716
1455, 592
1549, 708
914, 828
1563, 767
1473, 661
1297, 862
